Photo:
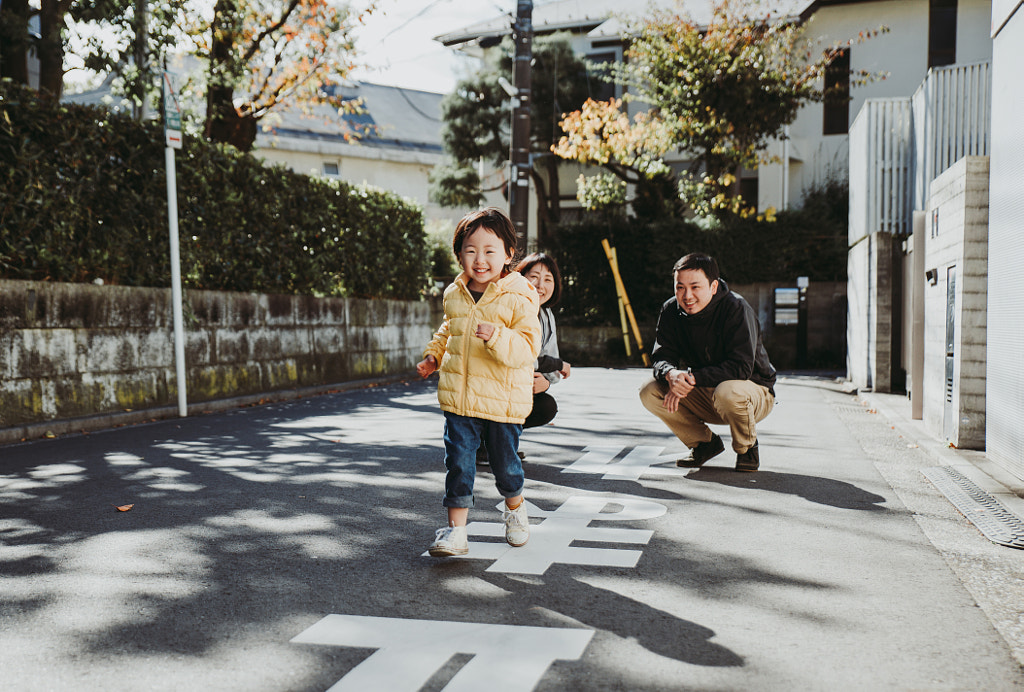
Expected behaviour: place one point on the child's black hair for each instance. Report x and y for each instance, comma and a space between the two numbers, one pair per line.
494, 220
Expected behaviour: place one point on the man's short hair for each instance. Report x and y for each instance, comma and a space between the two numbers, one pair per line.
698, 260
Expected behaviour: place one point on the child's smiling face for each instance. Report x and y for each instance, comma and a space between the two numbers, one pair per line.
483, 257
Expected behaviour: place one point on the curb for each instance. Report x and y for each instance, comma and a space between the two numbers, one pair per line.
85, 424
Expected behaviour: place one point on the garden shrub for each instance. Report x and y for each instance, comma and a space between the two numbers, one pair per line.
83, 197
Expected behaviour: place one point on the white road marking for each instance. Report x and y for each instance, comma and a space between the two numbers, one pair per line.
409, 652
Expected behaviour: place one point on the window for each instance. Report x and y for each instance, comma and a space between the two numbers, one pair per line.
331, 169
749, 190
601, 90
837, 95
941, 33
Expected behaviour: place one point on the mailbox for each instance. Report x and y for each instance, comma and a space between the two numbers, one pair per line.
787, 306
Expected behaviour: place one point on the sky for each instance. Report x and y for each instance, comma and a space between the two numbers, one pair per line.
397, 41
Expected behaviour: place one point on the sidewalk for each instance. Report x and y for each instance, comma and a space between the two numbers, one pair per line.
992, 573
989, 476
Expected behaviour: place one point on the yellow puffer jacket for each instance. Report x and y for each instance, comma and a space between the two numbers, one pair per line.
490, 379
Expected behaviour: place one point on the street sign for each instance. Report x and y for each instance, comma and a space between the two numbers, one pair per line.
172, 141
172, 113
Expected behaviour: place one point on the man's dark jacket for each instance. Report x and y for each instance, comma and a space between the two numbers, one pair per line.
721, 342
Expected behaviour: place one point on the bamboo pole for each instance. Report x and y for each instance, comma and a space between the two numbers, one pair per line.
622, 311
625, 299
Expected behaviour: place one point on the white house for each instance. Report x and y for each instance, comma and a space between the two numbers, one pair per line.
393, 142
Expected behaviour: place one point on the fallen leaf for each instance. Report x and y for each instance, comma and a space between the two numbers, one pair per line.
124, 508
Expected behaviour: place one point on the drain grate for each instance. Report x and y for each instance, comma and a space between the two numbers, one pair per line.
997, 523
852, 408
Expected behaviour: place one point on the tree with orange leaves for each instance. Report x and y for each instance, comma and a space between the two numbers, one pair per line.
715, 94
263, 54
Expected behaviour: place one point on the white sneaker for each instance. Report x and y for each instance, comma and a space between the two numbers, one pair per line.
451, 540
517, 525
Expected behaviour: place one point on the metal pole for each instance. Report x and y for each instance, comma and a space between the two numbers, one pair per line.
141, 64
519, 175
785, 169
179, 328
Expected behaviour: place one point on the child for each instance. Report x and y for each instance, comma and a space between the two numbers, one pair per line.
542, 271
485, 350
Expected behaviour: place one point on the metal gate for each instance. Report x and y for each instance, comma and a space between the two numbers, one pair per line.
949, 417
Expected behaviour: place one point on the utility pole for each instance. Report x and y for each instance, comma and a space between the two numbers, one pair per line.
141, 63
519, 175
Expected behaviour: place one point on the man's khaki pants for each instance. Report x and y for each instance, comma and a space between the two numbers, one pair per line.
740, 404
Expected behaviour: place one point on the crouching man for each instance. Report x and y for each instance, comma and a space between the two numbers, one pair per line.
709, 366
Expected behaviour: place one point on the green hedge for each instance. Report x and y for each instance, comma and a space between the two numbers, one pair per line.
810, 241
83, 196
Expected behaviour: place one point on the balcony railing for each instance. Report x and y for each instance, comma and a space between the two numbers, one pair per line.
898, 146
880, 168
952, 119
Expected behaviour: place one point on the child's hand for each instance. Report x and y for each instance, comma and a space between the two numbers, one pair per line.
564, 372
485, 331
426, 366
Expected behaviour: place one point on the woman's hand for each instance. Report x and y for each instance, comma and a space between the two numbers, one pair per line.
427, 366
564, 372
540, 383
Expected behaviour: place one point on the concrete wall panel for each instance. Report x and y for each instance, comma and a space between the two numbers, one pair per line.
74, 350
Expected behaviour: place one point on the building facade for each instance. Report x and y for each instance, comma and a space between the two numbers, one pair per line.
1004, 392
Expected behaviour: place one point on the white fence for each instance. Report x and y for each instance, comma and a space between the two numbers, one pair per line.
880, 169
952, 119
898, 146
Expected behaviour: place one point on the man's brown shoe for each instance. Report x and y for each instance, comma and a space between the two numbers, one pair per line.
702, 453
750, 460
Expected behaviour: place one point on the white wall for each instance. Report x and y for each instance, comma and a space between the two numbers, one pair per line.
1005, 389
902, 53
858, 367
956, 234
404, 173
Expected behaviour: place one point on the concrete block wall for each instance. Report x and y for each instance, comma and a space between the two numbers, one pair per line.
857, 314
957, 237
871, 291
69, 351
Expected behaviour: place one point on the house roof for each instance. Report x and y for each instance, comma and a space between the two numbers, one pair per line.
398, 118
598, 17
390, 117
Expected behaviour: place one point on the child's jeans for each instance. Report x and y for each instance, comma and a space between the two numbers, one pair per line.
462, 437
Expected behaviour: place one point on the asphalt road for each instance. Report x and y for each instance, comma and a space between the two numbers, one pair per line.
282, 548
